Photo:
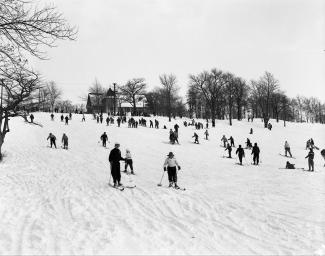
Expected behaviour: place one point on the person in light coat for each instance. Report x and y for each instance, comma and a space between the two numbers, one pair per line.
287, 149
128, 161
170, 166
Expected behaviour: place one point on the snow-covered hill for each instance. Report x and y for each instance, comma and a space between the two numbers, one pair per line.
54, 201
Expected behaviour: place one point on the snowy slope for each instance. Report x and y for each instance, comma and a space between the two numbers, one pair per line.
54, 201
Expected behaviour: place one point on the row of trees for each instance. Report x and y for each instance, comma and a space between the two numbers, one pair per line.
217, 94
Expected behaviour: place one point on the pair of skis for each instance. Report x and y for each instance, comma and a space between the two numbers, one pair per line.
121, 188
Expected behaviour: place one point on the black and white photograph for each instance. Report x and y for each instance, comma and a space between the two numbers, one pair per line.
162, 127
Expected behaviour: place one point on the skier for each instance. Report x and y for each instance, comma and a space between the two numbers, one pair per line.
66, 120
171, 136
323, 154
287, 148
256, 154
241, 154
290, 166
70, 116
206, 133
176, 126
224, 140
232, 142
176, 137
52, 140
52, 117
118, 122
251, 131
107, 121
128, 161
310, 157
229, 148
170, 165
83, 118
62, 118
114, 159
97, 118
196, 137
156, 124
151, 124
31, 118
104, 138
248, 143
65, 141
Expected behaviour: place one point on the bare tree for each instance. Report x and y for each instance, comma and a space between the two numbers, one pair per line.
169, 88
131, 90
240, 95
230, 89
263, 89
211, 86
97, 90
24, 28
54, 93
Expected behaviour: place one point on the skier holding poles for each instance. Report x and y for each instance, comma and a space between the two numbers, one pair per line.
170, 165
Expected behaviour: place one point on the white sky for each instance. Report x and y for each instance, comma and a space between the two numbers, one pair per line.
123, 39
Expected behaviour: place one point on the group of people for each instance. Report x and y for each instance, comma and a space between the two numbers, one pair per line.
64, 140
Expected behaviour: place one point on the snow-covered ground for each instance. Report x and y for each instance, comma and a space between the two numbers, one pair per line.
54, 201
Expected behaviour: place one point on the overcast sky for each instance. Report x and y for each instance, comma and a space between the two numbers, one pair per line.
123, 39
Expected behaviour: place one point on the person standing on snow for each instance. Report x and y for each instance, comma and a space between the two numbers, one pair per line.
224, 140
66, 120
229, 148
287, 148
114, 159
206, 133
65, 141
323, 154
104, 138
232, 142
128, 161
31, 118
62, 118
170, 165
310, 157
52, 140
256, 154
240, 152
196, 138
83, 118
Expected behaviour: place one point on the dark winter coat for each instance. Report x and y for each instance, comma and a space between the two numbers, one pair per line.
310, 155
255, 150
104, 137
115, 156
240, 152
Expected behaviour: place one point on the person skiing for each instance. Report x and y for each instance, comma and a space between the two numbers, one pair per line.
287, 148
128, 161
118, 121
52, 117
171, 136
176, 126
241, 153
62, 118
206, 133
107, 121
251, 131
310, 157
66, 120
229, 148
232, 142
248, 143
196, 137
290, 166
224, 140
83, 118
31, 118
65, 141
323, 154
114, 159
256, 154
104, 138
170, 165
151, 124
52, 140
176, 137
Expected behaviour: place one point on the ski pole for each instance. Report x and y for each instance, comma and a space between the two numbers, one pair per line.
159, 184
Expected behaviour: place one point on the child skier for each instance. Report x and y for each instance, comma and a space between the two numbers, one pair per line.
224, 140
65, 141
290, 166
256, 154
170, 165
104, 138
128, 161
229, 148
232, 142
206, 133
52, 139
196, 137
310, 157
240, 152
287, 148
